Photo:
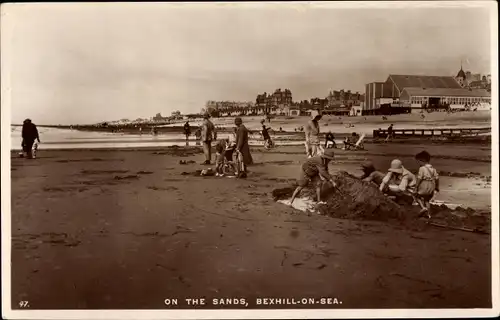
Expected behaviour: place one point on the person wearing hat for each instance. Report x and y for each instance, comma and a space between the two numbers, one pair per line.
208, 134
313, 145
399, 181
242, 148
370, 174
314, 171
29, 135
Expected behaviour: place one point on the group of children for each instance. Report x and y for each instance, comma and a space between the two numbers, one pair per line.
398, 182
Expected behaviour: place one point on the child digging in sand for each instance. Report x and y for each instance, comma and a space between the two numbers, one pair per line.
314, 170
427, 183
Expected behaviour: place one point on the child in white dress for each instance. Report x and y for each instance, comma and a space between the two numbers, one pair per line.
427, 183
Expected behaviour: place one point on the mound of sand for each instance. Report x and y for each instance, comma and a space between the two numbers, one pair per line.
358, 200
355, 199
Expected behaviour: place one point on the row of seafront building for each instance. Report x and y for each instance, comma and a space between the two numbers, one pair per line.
281, 103
397, 94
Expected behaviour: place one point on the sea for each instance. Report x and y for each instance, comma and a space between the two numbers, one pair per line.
55, 138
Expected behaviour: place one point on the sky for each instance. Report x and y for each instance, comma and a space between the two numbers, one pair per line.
86, 63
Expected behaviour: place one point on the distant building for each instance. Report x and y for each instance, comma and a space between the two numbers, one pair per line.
273, 103
342, 97
467, 79
402, 93
434, 97
293, 111
229, 108
461, 78
158, 117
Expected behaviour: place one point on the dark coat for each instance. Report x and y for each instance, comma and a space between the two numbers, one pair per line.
242, 144
187, 128
30, 132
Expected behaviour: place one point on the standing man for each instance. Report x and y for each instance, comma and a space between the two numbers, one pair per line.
207, 135
390, 133
187, 130
312, 135
242, 148
29, 135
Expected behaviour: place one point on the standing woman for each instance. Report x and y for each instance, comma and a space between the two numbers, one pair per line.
312, 135
244, 156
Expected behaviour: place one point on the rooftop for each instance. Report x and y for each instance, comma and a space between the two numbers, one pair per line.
447, 92
461, 74
407, 81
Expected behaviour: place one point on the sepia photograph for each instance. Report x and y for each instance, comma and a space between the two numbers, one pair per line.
249, 160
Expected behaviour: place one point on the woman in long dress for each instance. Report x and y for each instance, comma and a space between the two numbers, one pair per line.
242, 147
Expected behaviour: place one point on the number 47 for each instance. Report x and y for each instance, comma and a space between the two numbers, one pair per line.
23, 304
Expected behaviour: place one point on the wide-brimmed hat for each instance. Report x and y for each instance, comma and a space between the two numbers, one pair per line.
238, 121
396, 166
328, 154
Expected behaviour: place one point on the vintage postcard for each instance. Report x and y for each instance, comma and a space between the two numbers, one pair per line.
249, 160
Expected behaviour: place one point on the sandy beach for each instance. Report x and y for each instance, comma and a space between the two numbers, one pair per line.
143, 232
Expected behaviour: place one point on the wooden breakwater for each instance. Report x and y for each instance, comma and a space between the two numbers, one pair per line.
432, 132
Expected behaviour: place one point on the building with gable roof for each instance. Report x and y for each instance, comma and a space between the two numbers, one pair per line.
403, 93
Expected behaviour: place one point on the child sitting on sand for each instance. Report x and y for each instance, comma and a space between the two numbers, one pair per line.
427, 182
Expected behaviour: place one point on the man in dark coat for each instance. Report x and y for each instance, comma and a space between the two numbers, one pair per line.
208, 134
242, 147
187, 130
29, 135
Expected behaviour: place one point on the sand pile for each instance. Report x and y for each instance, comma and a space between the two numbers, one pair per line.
358, 200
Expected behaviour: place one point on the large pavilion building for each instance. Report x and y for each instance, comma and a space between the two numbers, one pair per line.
408, 93
417, 98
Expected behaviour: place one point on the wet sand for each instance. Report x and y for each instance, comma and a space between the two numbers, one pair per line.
125, 229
